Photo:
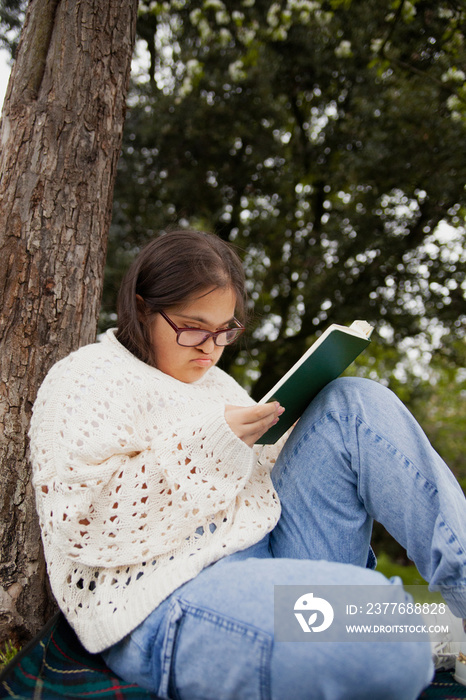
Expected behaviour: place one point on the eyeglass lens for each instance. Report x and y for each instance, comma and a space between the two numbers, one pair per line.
191, 338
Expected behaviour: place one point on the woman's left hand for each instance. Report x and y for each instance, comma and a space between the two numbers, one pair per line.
250, 423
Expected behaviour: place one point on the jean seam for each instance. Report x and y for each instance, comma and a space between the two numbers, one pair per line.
453, 534
408, 463
461, 551
265, 686
339, 418
182, 607
405, 461
174, 614
346, 417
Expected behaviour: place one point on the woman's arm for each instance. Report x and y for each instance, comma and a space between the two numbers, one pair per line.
115, 484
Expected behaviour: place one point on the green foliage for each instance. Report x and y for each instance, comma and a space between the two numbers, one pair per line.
321, 139
11, 18
438, 402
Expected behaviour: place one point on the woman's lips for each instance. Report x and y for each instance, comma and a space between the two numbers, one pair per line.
203, 361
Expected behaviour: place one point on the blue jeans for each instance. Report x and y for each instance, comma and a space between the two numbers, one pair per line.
356, 454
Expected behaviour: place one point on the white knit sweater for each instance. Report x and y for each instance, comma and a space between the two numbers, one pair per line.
140, 483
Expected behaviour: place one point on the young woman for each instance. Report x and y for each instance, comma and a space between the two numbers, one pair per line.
165, 530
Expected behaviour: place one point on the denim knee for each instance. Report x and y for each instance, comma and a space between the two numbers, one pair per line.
358, 391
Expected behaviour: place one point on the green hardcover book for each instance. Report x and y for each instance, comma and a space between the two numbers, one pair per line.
324, 361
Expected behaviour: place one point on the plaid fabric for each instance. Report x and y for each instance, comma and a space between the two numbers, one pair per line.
55, 666
444, 687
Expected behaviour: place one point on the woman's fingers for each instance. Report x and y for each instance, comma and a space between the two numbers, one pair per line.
250, 423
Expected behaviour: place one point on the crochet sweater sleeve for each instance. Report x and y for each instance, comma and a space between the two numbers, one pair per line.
127, 468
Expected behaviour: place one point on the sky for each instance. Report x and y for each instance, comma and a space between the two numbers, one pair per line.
4, 73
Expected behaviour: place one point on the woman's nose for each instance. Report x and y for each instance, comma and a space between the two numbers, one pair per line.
208, 345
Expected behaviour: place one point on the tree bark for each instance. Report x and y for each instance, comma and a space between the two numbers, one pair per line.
60, 139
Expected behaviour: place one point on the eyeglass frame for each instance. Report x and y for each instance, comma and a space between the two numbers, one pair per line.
208, 334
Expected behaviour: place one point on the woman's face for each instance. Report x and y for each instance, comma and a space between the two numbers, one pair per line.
212, 311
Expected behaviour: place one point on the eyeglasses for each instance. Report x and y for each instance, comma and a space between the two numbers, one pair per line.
191, 337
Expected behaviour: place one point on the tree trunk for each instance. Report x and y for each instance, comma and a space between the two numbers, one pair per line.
60, 133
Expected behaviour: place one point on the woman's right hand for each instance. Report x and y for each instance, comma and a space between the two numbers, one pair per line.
250, 423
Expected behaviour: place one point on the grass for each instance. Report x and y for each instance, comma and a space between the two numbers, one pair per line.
7, 653
410, 577
408, 574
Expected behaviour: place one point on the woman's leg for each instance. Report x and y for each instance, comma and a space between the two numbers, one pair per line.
357, 454
214, 638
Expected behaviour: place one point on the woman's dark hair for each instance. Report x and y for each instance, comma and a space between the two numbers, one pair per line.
167, 272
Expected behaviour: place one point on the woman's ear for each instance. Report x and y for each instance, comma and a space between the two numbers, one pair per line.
142, 308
